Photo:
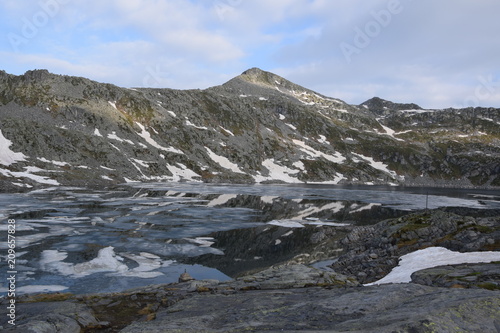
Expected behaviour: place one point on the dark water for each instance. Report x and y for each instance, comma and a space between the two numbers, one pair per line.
85, 241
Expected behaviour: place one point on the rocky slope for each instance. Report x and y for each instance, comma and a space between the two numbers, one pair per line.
257, 127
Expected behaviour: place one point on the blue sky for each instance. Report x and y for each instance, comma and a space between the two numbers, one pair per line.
437, 54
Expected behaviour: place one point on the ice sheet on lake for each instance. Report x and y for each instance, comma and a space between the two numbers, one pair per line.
287, 223
30, 289
106, 261
433, 257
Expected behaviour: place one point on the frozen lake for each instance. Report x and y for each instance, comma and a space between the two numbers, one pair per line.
85, 241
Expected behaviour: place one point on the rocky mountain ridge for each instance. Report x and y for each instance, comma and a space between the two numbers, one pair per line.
257, 127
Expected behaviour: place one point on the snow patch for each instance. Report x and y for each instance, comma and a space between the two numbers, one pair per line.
147, 137
29, 174
7, 156
227, 131
337, 158
221, 199
433, 257
113, 136
113, 104
182, 173
376, 165
277, 172
188, 123
58, 163
223, 162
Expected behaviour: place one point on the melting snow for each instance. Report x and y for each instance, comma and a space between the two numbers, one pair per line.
182, 173
335, 207
390, 132
7, 156
141, 163
376, 165
29, 174
113, 136
366, 207
223, 162
322, 139
188, 123
433, 257
227, 131
113, 104
221, 199
299, 165
97, 133
147, 137
43, 159
337, 158
277, 172
172, 113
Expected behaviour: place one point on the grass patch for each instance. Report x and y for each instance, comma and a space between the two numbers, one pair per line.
57, 297
489, 286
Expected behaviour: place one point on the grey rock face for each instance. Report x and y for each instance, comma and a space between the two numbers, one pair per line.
486, 276
257, 127
372, 251
389, 308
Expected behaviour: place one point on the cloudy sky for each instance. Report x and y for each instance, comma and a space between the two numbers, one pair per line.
436, 53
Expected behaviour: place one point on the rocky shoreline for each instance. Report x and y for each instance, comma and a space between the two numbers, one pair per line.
293, 296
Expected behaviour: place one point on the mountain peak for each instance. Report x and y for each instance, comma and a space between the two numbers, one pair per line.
380, 106
259, 76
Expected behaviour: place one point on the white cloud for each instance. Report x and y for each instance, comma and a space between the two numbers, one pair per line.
436, 54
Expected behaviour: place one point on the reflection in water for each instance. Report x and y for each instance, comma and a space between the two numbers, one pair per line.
70, 238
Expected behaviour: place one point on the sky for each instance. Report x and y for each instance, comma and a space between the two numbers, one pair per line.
436, 53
